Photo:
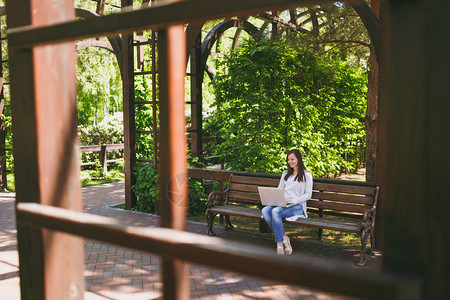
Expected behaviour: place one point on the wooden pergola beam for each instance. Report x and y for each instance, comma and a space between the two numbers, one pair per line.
154, 17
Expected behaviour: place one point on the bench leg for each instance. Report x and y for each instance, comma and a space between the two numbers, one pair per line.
372, 242
319, 233
362, 260
210, 219
263, 227
228, 225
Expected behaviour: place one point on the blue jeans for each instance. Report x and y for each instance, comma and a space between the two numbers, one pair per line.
274, 218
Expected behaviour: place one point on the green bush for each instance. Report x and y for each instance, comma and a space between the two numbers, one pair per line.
146, 188
109, 131
147, 192
91, 177
196, 205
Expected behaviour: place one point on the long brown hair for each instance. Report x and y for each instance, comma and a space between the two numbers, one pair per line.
301, 167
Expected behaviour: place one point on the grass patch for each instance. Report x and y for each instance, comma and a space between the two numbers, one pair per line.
120, 206
92, 177
87, 179
98, 181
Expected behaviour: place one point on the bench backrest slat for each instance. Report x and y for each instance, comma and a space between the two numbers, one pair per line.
341, 188
337, 206
258, 181
348, 198
243, 195
243, 187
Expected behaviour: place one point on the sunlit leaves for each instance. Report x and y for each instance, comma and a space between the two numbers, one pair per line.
273, 95
99, 85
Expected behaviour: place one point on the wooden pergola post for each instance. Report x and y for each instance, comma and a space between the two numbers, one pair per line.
46, 151
414, 138
129, 122
173, 189
196, 98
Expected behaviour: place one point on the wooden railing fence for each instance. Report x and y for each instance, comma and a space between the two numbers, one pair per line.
102, 154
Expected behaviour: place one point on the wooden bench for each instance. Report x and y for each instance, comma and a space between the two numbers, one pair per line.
335, 205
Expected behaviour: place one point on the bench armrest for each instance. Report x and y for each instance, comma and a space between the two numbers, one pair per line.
369, 214
215, 197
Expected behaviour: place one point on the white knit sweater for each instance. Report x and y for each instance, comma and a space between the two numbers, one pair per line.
297, 192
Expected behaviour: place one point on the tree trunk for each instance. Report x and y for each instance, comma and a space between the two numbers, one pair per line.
371, 120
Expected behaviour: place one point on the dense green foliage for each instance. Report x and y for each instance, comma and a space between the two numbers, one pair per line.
146, 190
109, 131
100, 117
276, 94
144, 118
99, 86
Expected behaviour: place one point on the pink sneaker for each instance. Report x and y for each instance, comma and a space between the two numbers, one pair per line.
287, 245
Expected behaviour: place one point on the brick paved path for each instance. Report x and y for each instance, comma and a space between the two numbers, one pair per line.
118, 273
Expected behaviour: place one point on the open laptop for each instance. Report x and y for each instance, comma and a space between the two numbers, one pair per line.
271, 196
